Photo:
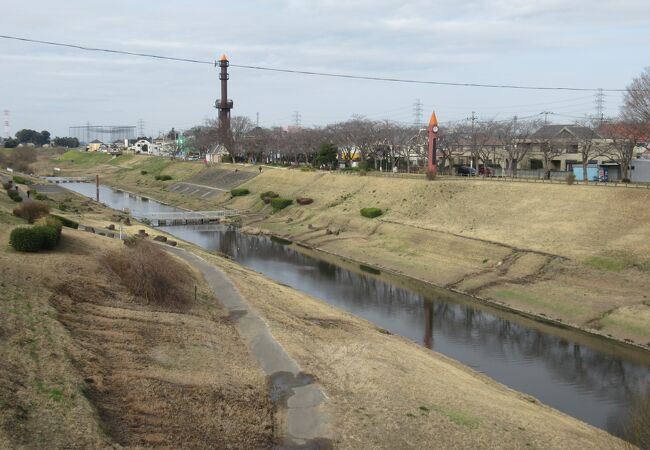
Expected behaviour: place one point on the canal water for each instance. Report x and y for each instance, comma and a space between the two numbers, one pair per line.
583, 376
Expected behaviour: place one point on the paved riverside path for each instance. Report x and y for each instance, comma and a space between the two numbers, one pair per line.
306, 424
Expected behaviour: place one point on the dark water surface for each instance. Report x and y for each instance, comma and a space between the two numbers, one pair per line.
585, 377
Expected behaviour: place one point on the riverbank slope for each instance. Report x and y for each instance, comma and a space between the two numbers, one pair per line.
574, 254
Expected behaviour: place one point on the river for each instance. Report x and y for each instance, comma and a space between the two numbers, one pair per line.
586, 377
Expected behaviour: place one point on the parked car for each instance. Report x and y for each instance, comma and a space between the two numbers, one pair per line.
466, 171
485, 171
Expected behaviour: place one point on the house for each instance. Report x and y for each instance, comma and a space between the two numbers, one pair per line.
216, 155
95, 145
570, 139
144, 146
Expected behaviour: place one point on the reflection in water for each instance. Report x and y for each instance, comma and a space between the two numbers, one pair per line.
592, 385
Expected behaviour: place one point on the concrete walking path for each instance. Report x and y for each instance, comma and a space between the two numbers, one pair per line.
307, 425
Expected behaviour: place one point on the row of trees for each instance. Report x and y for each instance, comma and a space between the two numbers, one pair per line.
388, 144
39, 138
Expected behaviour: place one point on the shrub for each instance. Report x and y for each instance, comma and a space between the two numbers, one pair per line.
304, 200
238, 192
151, 273
570, 178
143, 172
163, 177
371, 212
32, 211
269, 194
226, 159
66, 222
279, 203
41, 197
44, 236
25, 239
625, 180
15, 196
431, 175
7, 186
19, 180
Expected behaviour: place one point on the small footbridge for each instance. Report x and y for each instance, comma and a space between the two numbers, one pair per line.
190, 217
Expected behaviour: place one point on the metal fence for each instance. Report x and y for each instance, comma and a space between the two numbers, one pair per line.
557, 177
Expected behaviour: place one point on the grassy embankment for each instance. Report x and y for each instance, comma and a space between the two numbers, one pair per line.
380, 387
85, 363
578, 254
575, 254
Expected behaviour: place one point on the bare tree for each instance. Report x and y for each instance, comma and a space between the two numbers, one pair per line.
482, 140
588, 146
240, 127
550, 149
450, 145
513, 137
636, 107
624, 137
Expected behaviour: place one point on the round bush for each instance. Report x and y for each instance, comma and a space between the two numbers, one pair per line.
238, 192
280, 203
49, 236
26, 239
371, 212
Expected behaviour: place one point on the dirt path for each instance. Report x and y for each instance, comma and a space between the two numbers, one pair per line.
306, 424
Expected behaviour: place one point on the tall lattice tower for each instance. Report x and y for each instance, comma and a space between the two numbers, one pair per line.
417, 113
599, 103
7, 129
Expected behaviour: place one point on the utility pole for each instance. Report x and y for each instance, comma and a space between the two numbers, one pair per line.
417, 113
599, 101
297, 118
257, 120
546, 113
473, 119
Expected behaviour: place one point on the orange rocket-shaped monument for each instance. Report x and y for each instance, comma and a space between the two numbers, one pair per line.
432, 167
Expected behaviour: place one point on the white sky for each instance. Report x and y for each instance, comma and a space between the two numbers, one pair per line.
597, 43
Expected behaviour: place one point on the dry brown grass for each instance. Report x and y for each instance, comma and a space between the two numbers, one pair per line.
637, 430
31, 211
86, 364
153, 274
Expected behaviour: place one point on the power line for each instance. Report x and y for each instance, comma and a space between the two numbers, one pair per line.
321, 74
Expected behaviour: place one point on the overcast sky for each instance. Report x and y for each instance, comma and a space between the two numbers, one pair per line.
581, 43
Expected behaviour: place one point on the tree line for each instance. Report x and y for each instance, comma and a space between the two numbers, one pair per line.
389, 144
39, 139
